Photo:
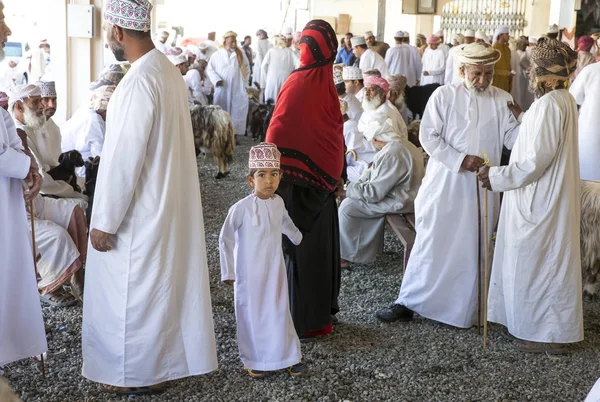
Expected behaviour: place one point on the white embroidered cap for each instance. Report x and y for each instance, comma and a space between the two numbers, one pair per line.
352, 73
128, 14
48, 89
264, 155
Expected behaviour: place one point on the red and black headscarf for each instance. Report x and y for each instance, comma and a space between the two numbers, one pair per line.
307, 124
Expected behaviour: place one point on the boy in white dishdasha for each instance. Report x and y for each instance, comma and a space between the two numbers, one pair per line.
251, 256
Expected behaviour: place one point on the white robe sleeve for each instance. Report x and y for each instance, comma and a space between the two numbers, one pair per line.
95, 138
131, 125
577, 88
374, 186
13, 162
288, 228
449, 74
211, 70
440, 66
430, 135
418, 64
539, 156
265, 65
234, 220
511, 132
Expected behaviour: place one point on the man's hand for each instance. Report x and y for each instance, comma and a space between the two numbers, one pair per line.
34, 182
426, 73
230, 282
484, 178
515, 109
339, 190
472, 163
99, 240
219, 83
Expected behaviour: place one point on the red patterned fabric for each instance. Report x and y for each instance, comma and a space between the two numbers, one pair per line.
307, 124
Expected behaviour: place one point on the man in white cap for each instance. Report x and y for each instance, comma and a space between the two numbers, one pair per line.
354, 106
276, 67
49, 137
460, 121
443, 46
481, 37
288, 34
263, 44
353, 78
503, 71
161, 42
452, 76
192, 79
434, 62
401, 60
26, 108
368, 59
22, 330
147, 316
553, 31
205, 51
372, 43
229, 70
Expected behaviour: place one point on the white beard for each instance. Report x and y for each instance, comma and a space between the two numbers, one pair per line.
370, 105
473, 90
32, 120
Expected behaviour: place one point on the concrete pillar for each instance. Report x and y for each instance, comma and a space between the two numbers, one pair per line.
538, 17
562, 12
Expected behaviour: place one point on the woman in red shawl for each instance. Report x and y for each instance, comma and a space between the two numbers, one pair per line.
307, 127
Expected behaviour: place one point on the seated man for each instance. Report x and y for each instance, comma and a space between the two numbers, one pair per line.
359, 151
27, 111
85, 131
388, 186
353, 78
61, 242
375, 102
355, 109
397, 87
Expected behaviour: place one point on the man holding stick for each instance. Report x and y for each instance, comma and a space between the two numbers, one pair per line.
535, 288
461, 121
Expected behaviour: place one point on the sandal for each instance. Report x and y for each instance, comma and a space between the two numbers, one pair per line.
298, 370
255, 373
541, 347
151, 390
58, 298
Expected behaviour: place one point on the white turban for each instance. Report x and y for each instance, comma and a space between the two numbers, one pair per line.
500, 31
379, 127
478, 54
481, 35
19, 93
100, 97
469, 33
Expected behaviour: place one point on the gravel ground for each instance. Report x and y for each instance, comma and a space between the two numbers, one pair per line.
363, 360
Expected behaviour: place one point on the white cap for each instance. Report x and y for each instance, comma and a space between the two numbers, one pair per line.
203, 46
368, 34
399, 34
288, 33
406, 34
177, 60
337, 76
352, 73
533, 39
358, 40
469, 33
481, 35
553, 28
439, 33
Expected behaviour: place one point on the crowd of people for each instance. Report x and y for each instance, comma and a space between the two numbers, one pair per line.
326, 177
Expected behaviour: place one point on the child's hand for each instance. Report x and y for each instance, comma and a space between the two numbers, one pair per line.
229, 282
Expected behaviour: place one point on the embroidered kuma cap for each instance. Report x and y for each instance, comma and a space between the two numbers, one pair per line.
264, 155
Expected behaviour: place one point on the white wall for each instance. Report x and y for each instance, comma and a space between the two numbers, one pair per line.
538, 17
363, 13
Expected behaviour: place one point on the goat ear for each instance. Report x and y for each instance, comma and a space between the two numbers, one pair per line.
61, 157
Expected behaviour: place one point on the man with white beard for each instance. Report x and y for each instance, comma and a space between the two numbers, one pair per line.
22, 330
276, 67
401, 60
375, 102
229, 70
434, 62
460, 122
396, 97
353, 78
28, 115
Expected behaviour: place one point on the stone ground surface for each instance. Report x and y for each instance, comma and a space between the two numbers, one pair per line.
363, 360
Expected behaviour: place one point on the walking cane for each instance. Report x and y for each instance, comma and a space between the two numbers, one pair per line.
32, 214
478, 257
486, 257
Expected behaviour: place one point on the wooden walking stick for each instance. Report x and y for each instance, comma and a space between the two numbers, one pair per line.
32, 214
486, 257
478, 258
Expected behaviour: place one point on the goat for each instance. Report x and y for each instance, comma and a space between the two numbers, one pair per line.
65, 171
213, 130
590, 235
260, 120
416, 98
91, 173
